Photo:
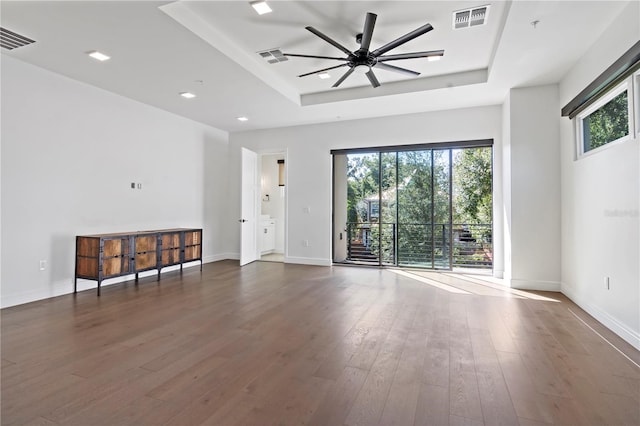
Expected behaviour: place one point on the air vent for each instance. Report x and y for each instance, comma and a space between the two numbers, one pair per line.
10, 40
470, 17
273, 56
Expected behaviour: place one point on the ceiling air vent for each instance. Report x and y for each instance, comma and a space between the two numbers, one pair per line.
470, 17
10, 40
273, 56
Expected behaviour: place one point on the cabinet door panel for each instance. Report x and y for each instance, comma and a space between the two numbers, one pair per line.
146, 243
170, 257
170, 241
115, 247
191, 253
114, 266
146, 261
192, 238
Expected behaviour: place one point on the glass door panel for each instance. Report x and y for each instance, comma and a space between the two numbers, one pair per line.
363, 208
441, 229
415, 202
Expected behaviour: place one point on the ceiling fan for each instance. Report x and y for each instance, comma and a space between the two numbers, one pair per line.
365, 59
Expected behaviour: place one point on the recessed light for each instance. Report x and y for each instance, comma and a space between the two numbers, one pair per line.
261, 7
433, 58
324, 75
98, 55
187, 95
242, 119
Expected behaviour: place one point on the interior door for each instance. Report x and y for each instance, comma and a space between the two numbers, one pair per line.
248, 221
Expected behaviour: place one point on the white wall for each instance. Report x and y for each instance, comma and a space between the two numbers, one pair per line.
600, 193
69, 154
309, 177
533, 189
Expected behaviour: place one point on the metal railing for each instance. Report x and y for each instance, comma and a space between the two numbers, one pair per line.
430, 245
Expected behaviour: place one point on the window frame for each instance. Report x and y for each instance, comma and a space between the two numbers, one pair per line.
632, 100
635, 82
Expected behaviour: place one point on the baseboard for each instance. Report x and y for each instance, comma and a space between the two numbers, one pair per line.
231, 256
308, 261
217, 257
535, 285
628, 335
62, 288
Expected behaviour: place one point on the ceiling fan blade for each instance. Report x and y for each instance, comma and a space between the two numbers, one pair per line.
372, 78
388, 67
322, 70
314, 56
343, 78
402, 40
329, 40
413, 55
367, 32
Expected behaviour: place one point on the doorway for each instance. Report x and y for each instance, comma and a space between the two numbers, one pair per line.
271, 222
426, 207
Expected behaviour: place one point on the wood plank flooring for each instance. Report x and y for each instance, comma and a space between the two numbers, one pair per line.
279, 344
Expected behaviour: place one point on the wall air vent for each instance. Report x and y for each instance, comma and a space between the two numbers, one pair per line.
10, 40
470, 17
273, 56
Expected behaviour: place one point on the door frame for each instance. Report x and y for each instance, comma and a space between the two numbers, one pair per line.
284, 153
434, 146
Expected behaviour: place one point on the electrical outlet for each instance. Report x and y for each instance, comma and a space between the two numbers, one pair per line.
305, 243
139, 186
133, 185
306, 210
607, 284
43, 265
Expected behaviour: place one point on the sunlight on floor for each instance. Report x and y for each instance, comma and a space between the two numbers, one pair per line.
484, 285
431, 282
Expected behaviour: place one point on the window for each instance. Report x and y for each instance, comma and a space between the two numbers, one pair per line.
608, 120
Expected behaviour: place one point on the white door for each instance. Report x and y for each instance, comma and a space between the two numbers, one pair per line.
248, 221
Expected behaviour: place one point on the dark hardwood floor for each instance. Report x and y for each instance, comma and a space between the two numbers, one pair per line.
279, 344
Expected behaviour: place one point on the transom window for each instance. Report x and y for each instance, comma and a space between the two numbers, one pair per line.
608, 120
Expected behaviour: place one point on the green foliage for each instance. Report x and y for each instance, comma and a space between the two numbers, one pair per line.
472, 182
607, 124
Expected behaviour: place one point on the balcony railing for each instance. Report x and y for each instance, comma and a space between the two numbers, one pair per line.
437, 245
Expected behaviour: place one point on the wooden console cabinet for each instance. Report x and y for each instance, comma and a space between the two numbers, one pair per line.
103, 256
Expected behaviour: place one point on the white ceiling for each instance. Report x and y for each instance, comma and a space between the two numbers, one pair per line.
159, 49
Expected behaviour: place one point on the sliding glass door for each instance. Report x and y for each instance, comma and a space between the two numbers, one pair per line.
410, 208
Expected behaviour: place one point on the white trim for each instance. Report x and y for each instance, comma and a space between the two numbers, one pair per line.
308, 261
603, 338
62, 288
534, 285
628, 335
635, 82
215, 258
231, 256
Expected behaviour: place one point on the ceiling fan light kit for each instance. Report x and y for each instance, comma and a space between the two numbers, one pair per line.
366, 60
